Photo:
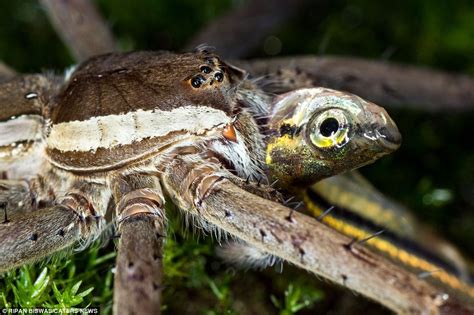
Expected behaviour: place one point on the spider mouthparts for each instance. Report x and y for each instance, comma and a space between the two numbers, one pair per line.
229, 133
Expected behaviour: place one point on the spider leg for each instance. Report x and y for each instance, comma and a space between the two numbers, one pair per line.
24, 111
141, 226
203, 190
39, 233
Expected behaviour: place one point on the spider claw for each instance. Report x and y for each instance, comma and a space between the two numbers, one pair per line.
274, 182
247, 180
351, 243
325, 213
299, 204
288, 200
426, 274
280, 267
371, 236
355, 240
289, 217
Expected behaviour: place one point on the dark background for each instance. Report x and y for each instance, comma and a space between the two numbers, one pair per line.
432, 173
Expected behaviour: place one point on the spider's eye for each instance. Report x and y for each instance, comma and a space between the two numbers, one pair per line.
329, 128
197, 81
219, 76
205, 69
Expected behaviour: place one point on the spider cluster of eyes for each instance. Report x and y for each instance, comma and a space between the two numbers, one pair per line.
211, 76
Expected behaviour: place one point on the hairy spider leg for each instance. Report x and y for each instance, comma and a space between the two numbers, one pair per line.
141, 225
77, 216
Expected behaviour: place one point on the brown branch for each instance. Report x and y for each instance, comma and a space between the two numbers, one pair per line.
241, 30
387, 84
81, 27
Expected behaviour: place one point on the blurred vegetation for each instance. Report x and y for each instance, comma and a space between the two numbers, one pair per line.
432, 173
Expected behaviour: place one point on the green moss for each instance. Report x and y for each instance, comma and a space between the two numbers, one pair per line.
75, 281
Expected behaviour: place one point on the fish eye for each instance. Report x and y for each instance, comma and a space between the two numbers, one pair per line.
329, 128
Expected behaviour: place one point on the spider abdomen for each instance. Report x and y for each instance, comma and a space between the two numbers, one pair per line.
111, 141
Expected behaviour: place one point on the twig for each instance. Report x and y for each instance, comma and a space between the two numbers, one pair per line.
81, 27
241, 30
387, 84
